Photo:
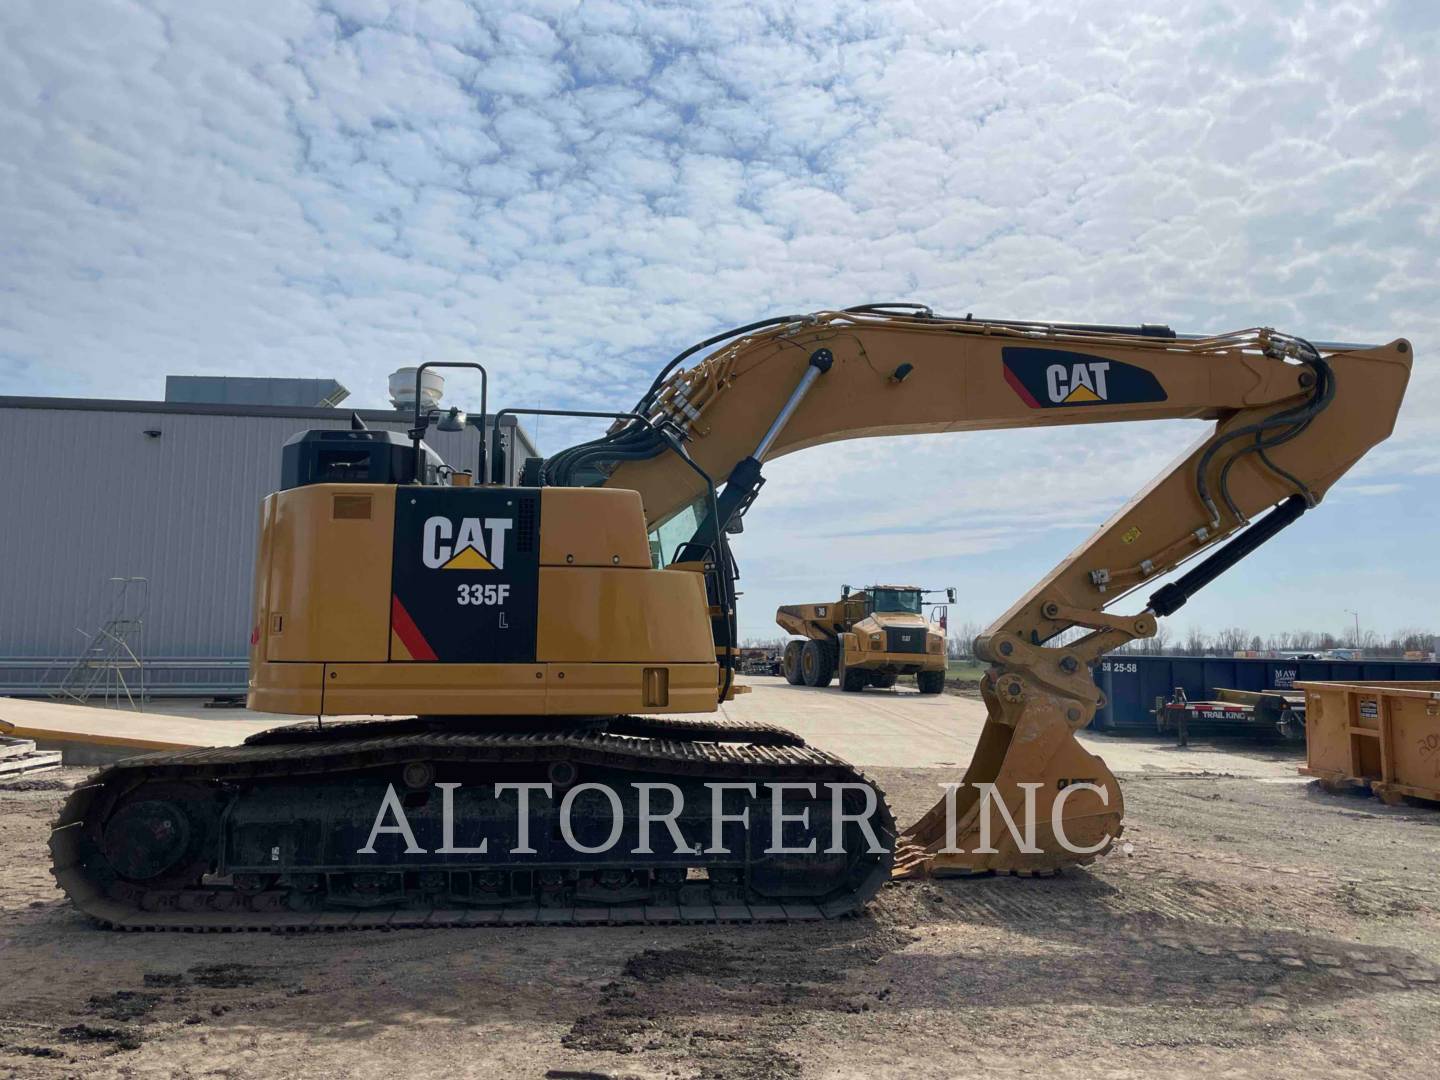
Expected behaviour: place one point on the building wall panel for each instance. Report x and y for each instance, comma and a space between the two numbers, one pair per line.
87, 496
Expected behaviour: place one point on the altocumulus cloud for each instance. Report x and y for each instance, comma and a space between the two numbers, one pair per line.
573, 191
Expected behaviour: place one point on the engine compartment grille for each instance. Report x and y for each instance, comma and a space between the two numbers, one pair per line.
904, 639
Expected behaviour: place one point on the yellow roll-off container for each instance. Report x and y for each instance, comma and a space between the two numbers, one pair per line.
1380, 735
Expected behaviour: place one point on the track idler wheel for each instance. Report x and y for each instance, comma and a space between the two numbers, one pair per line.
159, 836
145, 838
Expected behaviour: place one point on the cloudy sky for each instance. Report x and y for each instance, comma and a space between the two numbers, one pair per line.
572, 192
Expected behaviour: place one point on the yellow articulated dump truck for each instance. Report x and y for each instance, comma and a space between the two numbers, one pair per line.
867, 638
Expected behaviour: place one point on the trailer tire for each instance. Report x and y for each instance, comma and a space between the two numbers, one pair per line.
817, 663
790, 663
930, 682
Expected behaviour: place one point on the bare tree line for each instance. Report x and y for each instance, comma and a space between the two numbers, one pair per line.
771, 644
1195, 641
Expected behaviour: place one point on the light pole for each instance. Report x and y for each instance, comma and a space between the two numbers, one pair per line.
1357, 625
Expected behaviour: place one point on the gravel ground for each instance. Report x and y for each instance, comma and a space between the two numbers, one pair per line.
1249, 928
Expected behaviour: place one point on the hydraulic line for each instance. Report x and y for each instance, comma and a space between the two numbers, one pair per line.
1298, 418
1325, 391
1171, 598
648, 398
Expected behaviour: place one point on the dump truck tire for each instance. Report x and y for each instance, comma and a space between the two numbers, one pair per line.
930, 682
852, 680
790, 663
817, 662
883, 681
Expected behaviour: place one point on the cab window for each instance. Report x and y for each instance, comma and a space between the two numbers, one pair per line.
903, 600
666, 540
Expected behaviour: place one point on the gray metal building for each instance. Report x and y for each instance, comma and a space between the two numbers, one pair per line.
170, 492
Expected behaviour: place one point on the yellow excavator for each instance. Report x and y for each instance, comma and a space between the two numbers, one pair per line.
537, 641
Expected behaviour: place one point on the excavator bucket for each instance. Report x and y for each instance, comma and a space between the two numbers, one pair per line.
1031, 802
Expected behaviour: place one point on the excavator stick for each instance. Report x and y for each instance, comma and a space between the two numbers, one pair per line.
1033, 800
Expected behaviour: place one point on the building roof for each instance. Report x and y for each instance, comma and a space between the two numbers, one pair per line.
253, 390
189, 408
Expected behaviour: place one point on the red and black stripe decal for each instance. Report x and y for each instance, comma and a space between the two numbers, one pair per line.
1020, 388
408, 633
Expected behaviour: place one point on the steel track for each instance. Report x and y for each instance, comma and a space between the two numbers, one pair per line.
689, 749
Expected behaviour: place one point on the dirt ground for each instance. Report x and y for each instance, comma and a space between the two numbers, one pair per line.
1246, 928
